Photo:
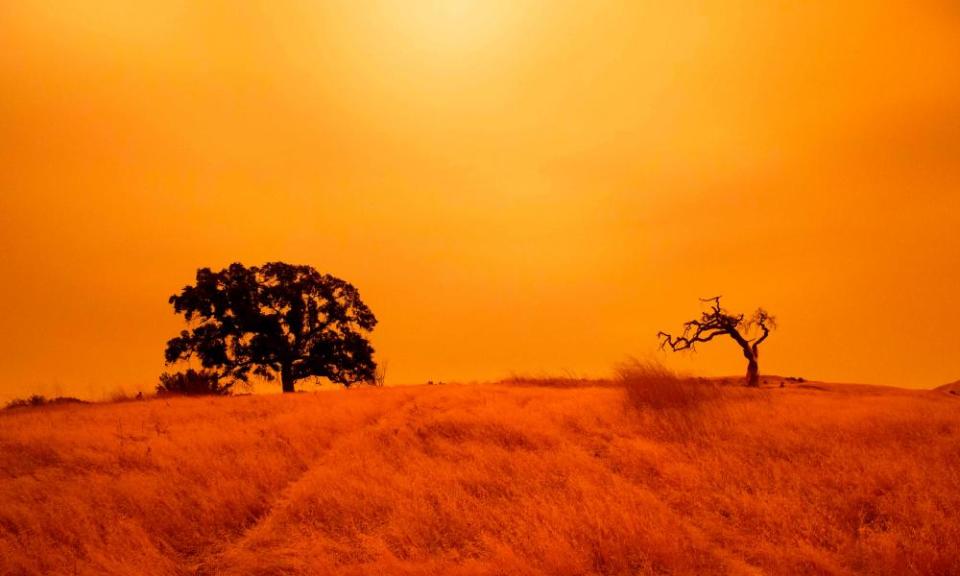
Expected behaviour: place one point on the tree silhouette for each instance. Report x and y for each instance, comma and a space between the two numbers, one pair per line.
276, 320
719, 322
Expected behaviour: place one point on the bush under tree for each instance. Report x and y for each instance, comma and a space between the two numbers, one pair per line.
193, 383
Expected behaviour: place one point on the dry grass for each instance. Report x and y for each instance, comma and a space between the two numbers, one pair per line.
488, 479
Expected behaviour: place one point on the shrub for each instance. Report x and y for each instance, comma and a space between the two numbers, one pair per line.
193, 383
35, 400
39, 400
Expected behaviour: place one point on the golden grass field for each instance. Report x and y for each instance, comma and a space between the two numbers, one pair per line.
642, 475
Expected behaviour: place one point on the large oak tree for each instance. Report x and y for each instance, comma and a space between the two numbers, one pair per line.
275, 321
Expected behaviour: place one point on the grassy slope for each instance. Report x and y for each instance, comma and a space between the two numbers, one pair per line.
486, 479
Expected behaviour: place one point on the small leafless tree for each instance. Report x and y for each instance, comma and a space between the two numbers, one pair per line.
748, 333
380, 376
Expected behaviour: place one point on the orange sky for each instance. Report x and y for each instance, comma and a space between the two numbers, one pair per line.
515, 187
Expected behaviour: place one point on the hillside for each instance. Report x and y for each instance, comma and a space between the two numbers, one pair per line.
487, 479
951, 388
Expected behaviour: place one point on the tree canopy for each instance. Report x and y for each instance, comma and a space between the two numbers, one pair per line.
278, 320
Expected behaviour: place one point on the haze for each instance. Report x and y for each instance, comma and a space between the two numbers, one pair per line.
514, 187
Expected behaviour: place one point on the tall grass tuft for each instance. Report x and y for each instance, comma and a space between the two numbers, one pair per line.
649, 384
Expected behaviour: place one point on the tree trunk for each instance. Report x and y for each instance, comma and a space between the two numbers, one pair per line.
286, 378
753, 372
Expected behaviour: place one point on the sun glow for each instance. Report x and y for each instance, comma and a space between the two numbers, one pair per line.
452, 28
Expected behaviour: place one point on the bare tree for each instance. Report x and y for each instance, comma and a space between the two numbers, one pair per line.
380, 376
748, 333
